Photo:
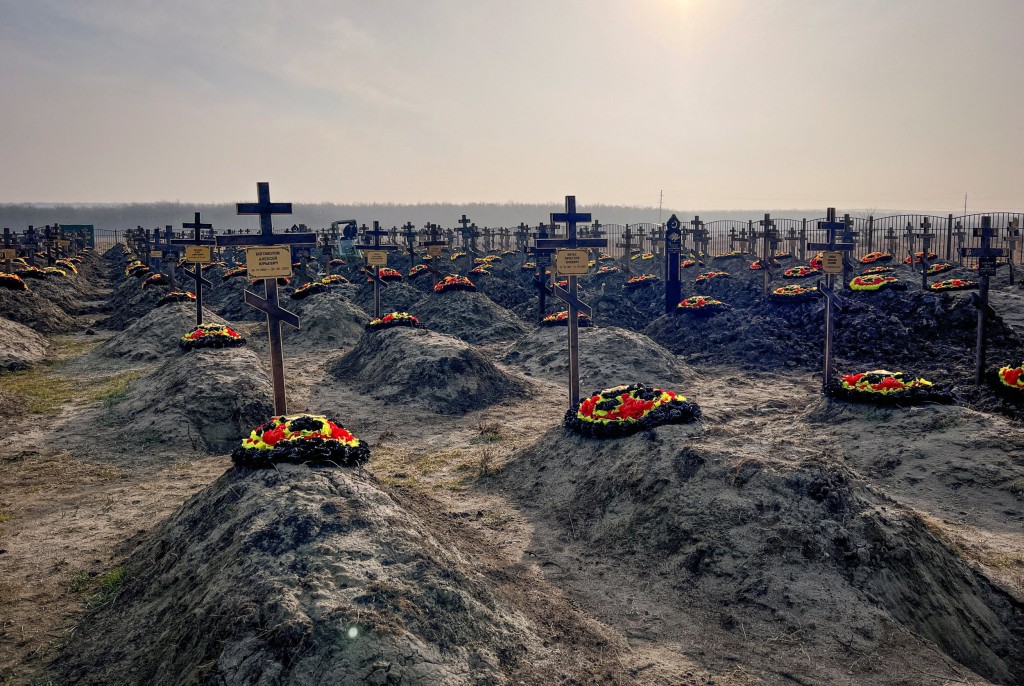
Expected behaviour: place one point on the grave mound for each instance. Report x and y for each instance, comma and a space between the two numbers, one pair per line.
608, 356
20, 346
34, 311
205, 399
504, 291
786, 546
398, 296
299, 576
130, 302
441, 373
328, 320
473, 317
156, 334
227, 298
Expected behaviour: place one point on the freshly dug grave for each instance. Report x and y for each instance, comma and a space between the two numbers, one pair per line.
34, 311
431, 370
206, 399
786, 556
155, 335
327, 320
298, 576
227, 298
503, 290
473, 317
397, 297
609, 356
67, 292
20, 346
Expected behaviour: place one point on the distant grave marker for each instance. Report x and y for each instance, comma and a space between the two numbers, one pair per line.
409, 234
1012, 239
376, 256
925, 237
542, 260
30, 245
270, 304
700, 235
986, 255
627, 246
571, 295
198, 251
832, 227
9, 252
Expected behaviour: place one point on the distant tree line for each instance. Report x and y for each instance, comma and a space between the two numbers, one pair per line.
315, 216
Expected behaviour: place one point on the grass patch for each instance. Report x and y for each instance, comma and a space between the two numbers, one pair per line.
98, 589
68, 348
6, 516
113, 390
40, 392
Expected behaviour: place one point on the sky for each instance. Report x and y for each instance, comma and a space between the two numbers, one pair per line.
716, 104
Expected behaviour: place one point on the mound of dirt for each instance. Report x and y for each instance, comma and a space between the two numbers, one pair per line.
609, 356
34, 311
20, 346
227, 298
155, 335
767, 547
439, 372
298, 576
209, 398
504, 291
473, 317
397, 297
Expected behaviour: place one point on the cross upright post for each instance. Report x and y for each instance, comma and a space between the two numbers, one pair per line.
372, 255
170, 257
409, 233
908, 233
627, 246
270, 304
926, 244
196, 274
986, 255
832, 228
571, 295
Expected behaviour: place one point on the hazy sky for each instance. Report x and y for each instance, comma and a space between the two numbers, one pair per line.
719, 103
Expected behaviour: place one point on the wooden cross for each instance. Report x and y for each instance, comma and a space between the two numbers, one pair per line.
890, 240
960, 233
522, 237
473, 234
673, 246
768, 243
657, 239
908, 233
832, 227
542, 260
488, 235
8, 245
373, 270
791, 240
926, 245
640, 239
571, 295
49, 241
700, 235
270, 304
627, 246
435, 239
409, 233
196, 274
986, 255
30, 241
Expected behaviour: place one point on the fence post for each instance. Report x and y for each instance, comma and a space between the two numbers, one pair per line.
949, 237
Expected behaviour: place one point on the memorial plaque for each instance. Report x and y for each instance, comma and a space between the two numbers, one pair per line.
63, 243
156, 254
832, 263
986, 266
434, 250
199, 254
271, 262
572, 262
376, 258
8, 254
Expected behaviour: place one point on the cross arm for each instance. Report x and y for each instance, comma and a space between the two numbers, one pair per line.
254, 240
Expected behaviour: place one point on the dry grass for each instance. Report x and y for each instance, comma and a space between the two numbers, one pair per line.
44, 390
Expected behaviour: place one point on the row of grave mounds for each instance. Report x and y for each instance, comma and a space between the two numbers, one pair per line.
35, 311
154, 335
430, 370
771, 546
302, 576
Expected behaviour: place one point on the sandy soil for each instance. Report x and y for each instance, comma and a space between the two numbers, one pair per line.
784, 539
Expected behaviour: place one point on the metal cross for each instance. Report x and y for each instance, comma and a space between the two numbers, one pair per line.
571, 295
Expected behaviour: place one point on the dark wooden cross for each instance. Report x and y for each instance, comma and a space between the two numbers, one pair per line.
627, 246
658, 240
393, 234
373, 270
170, 257
791, 240
270, 304
908, 233
464, 232
960, 233
640, 239
473, 234
700, 235
9, 244
488, 235
505, 238
987, 256
30, 243
522, 237
744, 238
769, 239
925, 236
571, 295
409, 233
50, 241
542, 260
890, 240
435, 240
673, 246
832, 229
196, 274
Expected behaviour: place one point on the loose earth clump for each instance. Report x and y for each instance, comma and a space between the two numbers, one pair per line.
473, 317
20, 346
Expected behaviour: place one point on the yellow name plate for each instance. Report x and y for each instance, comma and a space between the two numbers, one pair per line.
572, 262
200, 254
272, 262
